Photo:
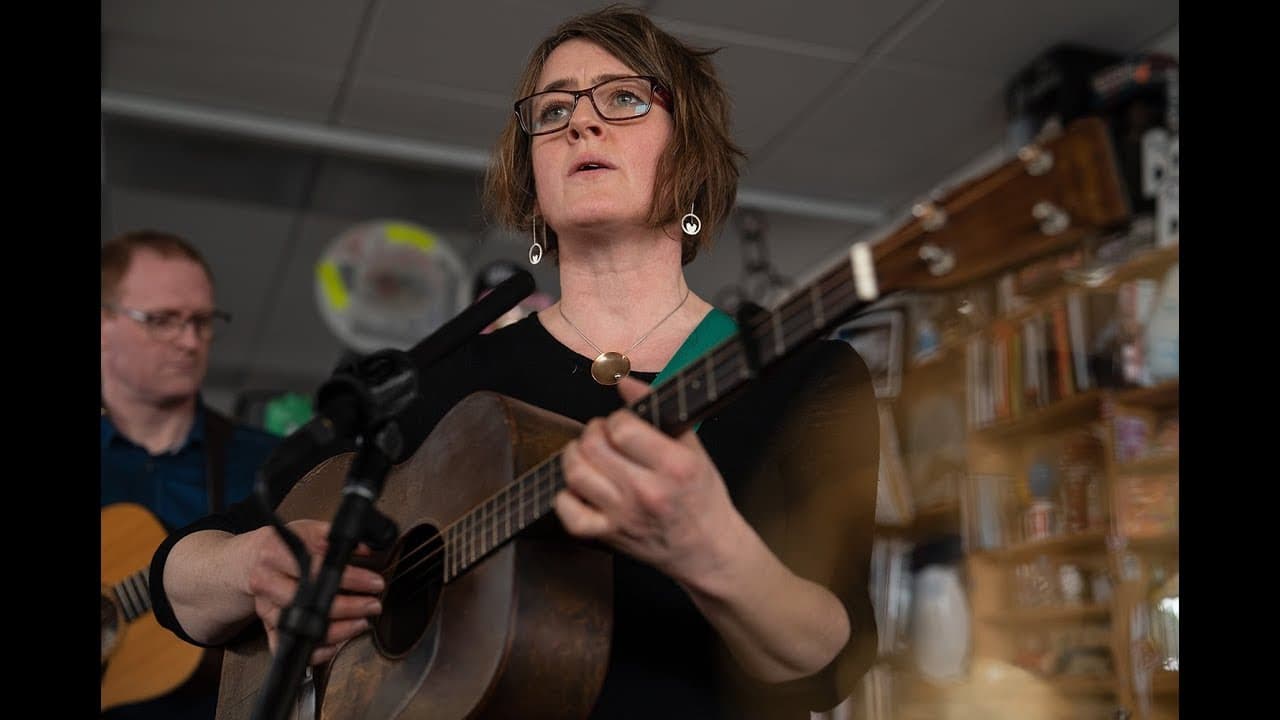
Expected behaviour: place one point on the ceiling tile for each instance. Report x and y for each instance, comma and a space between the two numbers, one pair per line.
317, 33
850, 26
888, 134
403, 109
767, 88
1000, 37
479, 46
236, 82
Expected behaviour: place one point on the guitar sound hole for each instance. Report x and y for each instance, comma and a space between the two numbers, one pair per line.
414, 578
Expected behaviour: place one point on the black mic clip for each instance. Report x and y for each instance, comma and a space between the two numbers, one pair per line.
375, 388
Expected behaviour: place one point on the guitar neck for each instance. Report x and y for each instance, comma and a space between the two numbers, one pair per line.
686, 398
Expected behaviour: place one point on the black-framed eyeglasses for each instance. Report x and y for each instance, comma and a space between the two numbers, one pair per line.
623, 98
169, 324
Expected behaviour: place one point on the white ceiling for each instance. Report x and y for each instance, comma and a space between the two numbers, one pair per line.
262, 128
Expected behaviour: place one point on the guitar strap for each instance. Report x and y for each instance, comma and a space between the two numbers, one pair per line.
217, 434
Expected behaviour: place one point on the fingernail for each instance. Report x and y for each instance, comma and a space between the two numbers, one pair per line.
375, 607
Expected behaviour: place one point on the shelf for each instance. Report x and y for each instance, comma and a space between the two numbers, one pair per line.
1165, 544
1162, 396
928, 522
1078, 408
1039, 616
1083, 684
1073, 544
1165, 683
1159, 463
1145, 263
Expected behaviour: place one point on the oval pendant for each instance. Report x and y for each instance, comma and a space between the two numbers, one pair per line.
609, 368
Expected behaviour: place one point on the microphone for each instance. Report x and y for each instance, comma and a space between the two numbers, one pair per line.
378, 387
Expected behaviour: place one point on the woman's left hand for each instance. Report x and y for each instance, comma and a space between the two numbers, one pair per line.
658, 499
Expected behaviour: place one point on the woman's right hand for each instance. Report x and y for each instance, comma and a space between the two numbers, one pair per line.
271, 578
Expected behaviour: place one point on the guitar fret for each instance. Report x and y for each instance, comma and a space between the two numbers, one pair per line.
507, 492
711, 380
539, 508
461, 542
471, 538
777, 335
653, 407
815, 302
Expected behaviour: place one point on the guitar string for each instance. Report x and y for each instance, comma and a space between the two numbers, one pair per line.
842, 290
492, 528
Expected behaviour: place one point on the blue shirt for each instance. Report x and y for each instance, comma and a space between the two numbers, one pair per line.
172, 485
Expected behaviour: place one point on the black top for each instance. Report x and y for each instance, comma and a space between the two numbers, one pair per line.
798, 450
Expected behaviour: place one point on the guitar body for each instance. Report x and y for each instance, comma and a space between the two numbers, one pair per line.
140, 659
523, 633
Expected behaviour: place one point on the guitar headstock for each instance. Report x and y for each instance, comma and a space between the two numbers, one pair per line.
1052, 195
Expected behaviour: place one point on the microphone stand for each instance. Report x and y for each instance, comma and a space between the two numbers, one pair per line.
370, 395
304, 623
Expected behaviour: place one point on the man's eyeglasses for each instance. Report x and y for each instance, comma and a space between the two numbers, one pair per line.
167, 324
623, 98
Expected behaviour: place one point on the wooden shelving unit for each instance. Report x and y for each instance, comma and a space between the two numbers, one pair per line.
1161, 396
1048, 615
1072, 410
1084, 684
1002, 629
1052, 618
1155, 463
930, 521
1069, 544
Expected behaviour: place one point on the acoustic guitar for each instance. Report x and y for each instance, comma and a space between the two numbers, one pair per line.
140, 659
484, 615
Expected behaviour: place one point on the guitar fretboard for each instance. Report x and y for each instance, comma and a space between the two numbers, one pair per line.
133, 594
686, 398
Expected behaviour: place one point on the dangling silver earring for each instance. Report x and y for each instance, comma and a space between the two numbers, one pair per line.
690, 223
535, 250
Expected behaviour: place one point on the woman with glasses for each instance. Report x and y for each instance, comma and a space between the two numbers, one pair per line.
742, 545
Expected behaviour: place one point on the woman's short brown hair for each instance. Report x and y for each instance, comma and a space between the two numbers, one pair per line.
699, 165
118, 252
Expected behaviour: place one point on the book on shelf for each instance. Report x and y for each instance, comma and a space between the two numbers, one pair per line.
895, 504
1085, 339
984, 511
891, 579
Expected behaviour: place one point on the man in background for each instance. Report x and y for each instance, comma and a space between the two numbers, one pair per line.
162, 448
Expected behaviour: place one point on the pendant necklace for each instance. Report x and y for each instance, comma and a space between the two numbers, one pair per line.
610, 367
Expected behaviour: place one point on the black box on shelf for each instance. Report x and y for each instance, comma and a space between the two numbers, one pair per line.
1055, 86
